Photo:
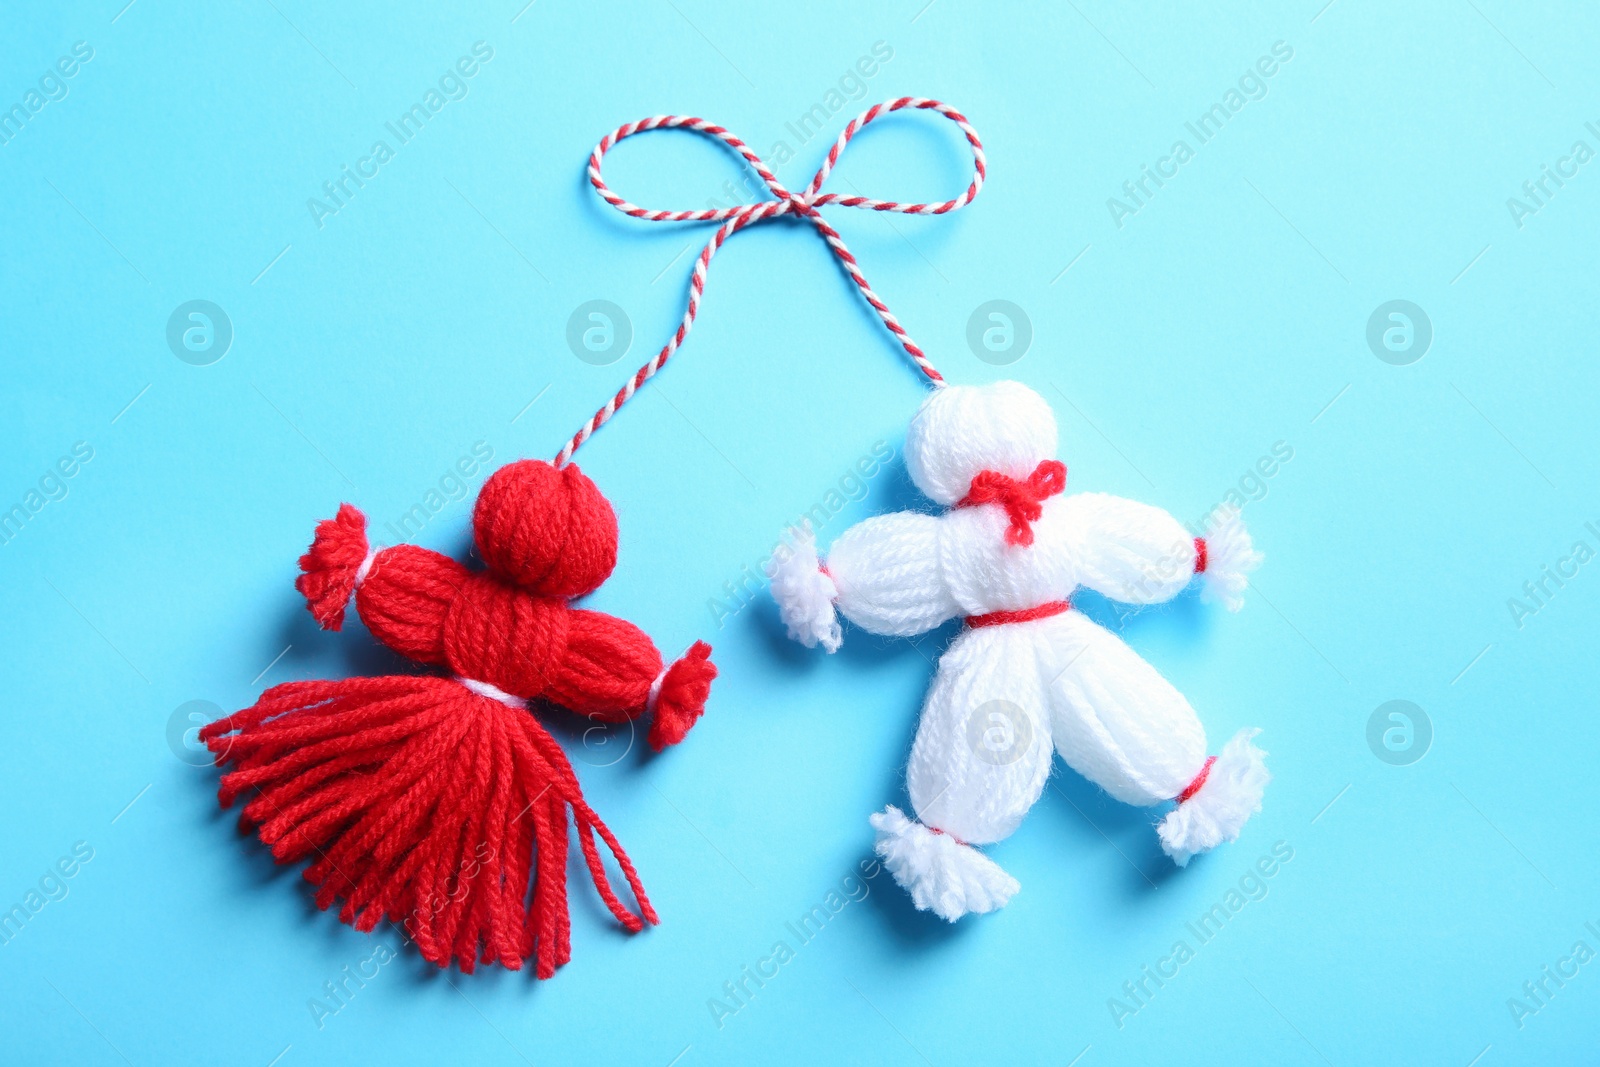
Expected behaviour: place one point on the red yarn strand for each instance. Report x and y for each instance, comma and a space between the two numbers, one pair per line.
1006, 618
1199, 780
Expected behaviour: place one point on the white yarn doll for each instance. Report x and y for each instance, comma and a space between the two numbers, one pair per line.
1027, 673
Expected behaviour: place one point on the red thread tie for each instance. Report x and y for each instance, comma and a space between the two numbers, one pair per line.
1003, 618
1199, 780
802, 205
1023, 498
1199, 555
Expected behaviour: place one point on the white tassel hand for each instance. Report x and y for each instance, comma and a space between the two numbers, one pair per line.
804, 592
1230, 557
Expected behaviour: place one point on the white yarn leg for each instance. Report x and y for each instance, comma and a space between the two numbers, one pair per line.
982, 750
1119, 723
979, 762
1115, 719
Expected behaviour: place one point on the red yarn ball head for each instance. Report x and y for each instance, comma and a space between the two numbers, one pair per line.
545, 528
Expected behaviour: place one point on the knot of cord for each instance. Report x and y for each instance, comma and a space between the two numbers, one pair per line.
799, 204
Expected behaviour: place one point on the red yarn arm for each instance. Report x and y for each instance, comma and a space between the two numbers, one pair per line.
607, 669
612, 672
405, 598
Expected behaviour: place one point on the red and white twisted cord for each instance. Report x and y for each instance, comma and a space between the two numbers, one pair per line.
803, 204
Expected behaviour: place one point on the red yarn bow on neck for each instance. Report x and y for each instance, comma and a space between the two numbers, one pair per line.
1023, 498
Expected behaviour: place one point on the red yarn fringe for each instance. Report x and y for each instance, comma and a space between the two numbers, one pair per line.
426, 804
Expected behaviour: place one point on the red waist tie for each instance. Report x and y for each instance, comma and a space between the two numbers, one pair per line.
1001, 618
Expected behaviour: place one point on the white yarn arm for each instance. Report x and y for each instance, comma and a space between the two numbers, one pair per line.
1128, 551
888, 576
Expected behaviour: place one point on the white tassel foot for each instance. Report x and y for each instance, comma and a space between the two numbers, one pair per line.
1230, 795
804, 592
941, 874
1230, 557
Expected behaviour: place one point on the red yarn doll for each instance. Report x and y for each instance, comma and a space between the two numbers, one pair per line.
437, 801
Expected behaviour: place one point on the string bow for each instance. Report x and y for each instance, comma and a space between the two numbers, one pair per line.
784, 202
1022, 498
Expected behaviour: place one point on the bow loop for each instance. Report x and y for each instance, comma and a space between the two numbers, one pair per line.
1022, 498
1048, 478
803, 205
783, 201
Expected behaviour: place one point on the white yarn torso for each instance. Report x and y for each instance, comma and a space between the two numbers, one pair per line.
985, 574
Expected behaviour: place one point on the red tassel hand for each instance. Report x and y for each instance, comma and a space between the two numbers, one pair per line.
436, 802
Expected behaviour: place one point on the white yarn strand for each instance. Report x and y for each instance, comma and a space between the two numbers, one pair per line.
366, 566
484, 689
655, 692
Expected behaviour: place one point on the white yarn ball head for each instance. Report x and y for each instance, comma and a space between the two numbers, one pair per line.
964, 429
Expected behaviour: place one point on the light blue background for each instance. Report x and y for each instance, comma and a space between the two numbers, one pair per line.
1227, 315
